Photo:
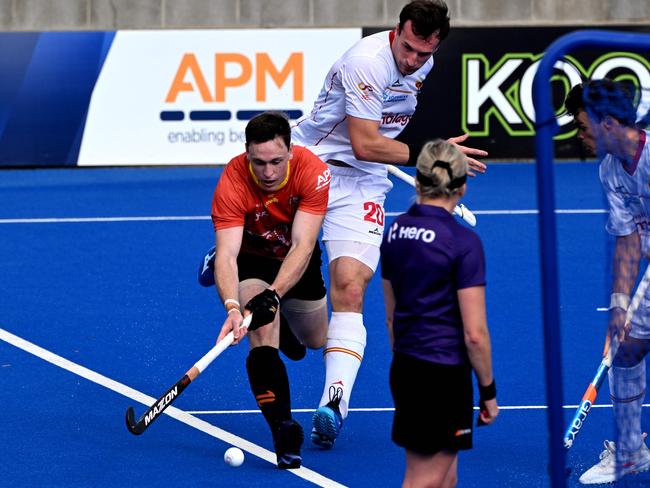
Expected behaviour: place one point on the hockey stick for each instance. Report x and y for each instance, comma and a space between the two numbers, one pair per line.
170, 395
611, 349
461, 210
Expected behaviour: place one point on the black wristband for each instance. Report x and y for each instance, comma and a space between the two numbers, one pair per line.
487, 392
414, 152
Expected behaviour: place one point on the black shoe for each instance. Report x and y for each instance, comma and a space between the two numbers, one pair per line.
290, 346
287, 441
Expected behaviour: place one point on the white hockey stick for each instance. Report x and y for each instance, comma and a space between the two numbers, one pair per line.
461, 210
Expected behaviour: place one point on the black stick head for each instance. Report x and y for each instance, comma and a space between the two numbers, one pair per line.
134, 427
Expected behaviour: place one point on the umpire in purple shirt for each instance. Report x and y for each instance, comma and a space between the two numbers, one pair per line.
433, 274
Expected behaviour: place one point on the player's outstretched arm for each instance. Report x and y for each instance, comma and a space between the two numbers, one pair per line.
474, 164
227, 280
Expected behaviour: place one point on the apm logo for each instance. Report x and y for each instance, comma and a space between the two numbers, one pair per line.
190, 77
233, 71
503, 93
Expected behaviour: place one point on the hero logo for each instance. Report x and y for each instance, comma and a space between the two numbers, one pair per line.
323, 179
579, 419
166, 400
503, 91
190, 78
410, 233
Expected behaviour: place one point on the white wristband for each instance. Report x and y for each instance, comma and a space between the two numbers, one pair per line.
231, 300
234, 309
619, 300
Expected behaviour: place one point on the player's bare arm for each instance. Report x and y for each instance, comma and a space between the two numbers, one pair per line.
389, 302
369, 145
474, 164
304, 233
626, 268
477, 339
227, 279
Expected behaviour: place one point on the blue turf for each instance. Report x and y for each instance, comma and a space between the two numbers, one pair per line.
121, 298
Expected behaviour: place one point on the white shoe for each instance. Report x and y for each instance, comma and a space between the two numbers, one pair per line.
605, 470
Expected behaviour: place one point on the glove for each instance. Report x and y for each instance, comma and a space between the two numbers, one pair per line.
263, 306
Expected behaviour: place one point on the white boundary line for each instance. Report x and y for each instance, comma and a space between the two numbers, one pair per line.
76, 220
387, 409
180, 415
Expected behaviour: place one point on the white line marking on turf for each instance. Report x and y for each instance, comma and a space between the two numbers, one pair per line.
384, 409
530, 211
76, 220
180, 415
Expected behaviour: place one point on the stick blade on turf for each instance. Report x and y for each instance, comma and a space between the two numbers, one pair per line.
134, 427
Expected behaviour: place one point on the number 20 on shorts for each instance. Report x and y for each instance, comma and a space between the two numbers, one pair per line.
374, 213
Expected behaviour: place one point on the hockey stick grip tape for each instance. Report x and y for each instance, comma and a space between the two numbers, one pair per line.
221, 346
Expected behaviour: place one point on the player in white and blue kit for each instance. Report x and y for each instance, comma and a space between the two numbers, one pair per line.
606, 116
368, 97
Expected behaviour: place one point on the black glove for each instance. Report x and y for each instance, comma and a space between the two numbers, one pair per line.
263, 306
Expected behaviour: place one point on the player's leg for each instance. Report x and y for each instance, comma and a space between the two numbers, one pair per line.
627, 384
308, 320
352, 232
430, 470
346, 338
290, 346
269, 383
451, 478
431, 427
305, 308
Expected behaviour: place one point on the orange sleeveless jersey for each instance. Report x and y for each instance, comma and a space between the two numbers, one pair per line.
267, 216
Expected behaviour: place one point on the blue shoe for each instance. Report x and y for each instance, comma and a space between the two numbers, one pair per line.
327, 420
206, 268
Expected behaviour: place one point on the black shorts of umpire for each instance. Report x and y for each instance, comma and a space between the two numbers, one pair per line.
433, 405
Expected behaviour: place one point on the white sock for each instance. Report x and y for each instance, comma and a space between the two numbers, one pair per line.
346, 341
627, 386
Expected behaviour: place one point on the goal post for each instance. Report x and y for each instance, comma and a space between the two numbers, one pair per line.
546, 127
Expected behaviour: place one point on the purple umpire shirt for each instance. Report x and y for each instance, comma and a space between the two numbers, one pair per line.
428, 256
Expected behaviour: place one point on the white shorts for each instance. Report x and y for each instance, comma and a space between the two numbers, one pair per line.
368, 254
355, 211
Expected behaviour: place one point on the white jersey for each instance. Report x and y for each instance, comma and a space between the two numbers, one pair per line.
365, 83
628, 193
